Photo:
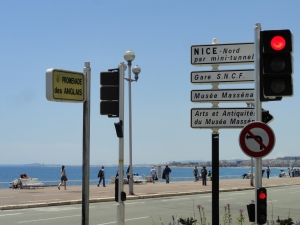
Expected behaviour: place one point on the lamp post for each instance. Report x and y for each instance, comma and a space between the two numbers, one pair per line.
129, 57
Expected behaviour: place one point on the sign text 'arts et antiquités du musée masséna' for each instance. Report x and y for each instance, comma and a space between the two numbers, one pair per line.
221, 117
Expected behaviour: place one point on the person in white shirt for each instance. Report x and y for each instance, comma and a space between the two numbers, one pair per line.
153, 174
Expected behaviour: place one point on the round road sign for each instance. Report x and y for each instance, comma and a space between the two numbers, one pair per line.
257, 139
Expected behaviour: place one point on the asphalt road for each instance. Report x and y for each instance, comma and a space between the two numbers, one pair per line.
282, 201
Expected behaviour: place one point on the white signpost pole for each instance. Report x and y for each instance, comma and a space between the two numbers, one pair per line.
258, 108
121, 205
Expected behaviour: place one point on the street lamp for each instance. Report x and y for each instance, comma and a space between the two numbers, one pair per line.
129, 57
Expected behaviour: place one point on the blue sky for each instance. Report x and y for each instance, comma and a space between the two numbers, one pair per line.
37, 35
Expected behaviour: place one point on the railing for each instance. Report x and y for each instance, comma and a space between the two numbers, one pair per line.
107, 181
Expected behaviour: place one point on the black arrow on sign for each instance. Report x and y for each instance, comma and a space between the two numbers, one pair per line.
258, 137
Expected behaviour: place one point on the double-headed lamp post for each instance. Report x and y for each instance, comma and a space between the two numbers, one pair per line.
129, 57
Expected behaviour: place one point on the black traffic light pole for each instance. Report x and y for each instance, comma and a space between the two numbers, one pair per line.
215, 177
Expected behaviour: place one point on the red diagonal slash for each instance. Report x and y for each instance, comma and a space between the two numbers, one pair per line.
256, 139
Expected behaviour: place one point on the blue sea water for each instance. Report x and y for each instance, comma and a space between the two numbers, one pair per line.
51, 175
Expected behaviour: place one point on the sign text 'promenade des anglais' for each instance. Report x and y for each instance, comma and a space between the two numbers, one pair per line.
65, 86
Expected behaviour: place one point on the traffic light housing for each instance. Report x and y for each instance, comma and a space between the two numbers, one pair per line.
116, 189
109, 93
276, 64
119, 129
123, 196
261, 205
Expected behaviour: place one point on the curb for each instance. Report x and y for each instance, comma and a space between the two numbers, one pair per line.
131, 197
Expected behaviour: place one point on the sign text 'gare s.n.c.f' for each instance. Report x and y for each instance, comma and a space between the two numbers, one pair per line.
222, 76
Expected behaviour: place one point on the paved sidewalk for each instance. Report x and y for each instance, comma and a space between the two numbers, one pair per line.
51, 196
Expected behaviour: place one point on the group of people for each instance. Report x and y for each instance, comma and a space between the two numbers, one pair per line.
291, 172
203, 174
18, 183
167, 171
165, 175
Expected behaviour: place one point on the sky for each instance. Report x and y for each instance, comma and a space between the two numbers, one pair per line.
38, 35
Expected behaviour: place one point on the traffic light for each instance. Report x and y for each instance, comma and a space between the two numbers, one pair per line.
109, 93
119, 129
116, 189
276, 64
261, 205
123, 196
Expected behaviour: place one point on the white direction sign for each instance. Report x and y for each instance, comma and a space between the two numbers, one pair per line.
234, 53
207, 118
221, 95
222, 76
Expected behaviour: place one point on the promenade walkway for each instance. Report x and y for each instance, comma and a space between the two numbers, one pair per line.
51, 196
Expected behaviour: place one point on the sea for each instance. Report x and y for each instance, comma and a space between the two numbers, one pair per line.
50, 175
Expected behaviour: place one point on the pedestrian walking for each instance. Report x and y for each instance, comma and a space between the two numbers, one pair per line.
127, 173
63, 178
167, 172
289, 171
268, 172
101, 175
153, 174
203, 175
196, 173
293, 172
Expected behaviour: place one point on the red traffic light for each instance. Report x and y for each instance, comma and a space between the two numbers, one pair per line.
262, 195
278, 43
275, 41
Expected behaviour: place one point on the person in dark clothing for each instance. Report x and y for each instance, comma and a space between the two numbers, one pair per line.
196, 173
101, 176
167, 172
127, 172
268, 172
203, 175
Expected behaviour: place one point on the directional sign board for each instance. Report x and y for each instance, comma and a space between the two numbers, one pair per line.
234, 53
65, 86
207, 118
257, 139
223, 76
221, 95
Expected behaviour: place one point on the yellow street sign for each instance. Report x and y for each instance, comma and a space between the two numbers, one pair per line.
65, 86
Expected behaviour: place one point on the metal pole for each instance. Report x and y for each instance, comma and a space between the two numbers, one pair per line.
249, 105
215, 159
215, 178
258, 108
130, 130
86, 147
251, 178
120, 205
